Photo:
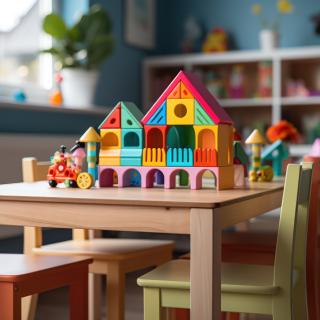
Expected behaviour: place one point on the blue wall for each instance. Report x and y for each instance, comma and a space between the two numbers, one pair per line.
236, 17
121, 74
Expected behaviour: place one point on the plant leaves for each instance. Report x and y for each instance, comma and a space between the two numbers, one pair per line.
55, 26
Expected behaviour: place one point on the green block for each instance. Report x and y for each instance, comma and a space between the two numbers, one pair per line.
201, 118
130, 116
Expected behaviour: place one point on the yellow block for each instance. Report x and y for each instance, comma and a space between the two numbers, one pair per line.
180, 111
154, 157
110, 138
219, 137
104, 161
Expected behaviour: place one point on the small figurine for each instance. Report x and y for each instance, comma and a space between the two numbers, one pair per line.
216, 41
283, 130
78, 154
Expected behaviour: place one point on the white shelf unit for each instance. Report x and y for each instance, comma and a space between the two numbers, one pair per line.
277, 57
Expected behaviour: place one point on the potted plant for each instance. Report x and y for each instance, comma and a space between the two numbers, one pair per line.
80, 50
269, 28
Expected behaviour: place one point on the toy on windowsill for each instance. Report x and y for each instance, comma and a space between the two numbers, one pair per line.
56, 96
257, 171
20, 96
216, 41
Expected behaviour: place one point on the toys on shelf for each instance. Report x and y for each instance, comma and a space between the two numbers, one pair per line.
265, 79
257, 171
215, 84
216, 41
236, 83
297, 88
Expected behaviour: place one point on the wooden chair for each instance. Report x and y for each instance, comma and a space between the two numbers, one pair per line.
278, 290
111, 257
22, 275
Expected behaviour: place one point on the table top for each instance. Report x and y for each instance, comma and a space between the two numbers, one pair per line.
205, 198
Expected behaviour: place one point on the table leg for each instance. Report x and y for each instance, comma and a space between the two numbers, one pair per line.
10, 302
205, 264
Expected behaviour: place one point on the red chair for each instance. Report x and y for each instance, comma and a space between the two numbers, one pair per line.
24, 275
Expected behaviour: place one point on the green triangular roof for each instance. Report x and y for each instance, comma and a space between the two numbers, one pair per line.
130, 116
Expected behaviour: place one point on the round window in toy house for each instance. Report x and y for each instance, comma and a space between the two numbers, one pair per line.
129, 122
131, 139
110, 140
113, 120
180, 110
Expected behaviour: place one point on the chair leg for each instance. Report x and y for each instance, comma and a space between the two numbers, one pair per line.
29, 307
78, 297
95, 292
115, 292
10, 302
151, 302
282, 309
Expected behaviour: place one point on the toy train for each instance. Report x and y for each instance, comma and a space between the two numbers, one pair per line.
67, 168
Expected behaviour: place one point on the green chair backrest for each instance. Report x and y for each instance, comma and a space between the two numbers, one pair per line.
293, 225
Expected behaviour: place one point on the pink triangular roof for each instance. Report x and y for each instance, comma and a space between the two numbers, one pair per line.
315, 149
199, 91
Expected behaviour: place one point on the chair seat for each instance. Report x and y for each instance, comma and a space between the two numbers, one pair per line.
106, 249
18, 267
235, 278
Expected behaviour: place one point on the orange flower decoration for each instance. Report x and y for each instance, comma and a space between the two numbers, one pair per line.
283, 130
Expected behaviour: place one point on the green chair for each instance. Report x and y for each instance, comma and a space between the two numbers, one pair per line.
278, 290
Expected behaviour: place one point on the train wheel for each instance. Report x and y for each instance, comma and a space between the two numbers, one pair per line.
85, 180
73, 183
52, 183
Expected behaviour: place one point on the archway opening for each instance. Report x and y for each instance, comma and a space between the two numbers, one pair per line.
206, 139
108, 178
180, 179
155, 138
132, 178
110, 139
181, 137
155, 178
131, 139
208, 179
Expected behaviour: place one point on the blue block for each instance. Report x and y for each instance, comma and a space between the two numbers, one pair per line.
132, 138
179, 157
131, 157
160, 116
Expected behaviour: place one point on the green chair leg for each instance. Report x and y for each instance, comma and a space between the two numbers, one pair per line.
152, 304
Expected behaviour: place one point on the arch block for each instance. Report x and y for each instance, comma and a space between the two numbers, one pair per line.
110, 147
155, 136
180, 111
131, 152
160, 116
179, 157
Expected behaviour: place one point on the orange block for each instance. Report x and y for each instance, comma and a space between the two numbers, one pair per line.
185, 93
176, 92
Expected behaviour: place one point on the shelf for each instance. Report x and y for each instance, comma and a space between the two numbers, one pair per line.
246, 56
292, 101
48, 108
299, 150
248, 102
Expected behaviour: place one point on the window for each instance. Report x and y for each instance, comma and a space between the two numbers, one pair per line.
21, 38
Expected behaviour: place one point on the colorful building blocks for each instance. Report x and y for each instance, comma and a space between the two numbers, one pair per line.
185, 133
91, 137
277, 153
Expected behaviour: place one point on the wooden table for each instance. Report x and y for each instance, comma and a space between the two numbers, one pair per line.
200, 213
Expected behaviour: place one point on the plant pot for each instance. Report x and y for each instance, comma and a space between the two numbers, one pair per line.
78, 87
268, 40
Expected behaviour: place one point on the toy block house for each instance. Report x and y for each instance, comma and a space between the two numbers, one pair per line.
121, 136
187, 127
